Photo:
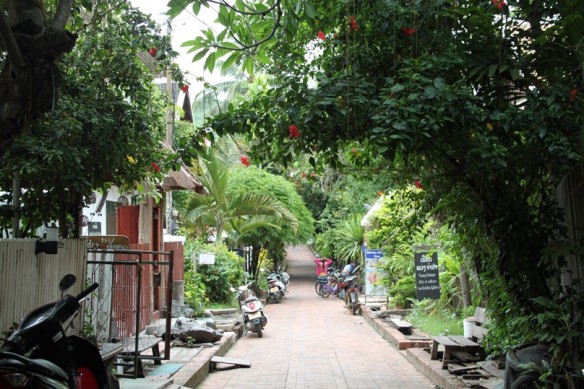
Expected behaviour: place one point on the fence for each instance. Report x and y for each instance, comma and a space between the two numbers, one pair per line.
133, 284
30, 280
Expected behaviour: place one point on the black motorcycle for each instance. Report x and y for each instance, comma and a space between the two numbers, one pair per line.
38, 354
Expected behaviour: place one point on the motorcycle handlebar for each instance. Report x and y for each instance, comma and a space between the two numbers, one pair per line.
86, 292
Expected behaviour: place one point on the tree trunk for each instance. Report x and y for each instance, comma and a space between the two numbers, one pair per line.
27, 80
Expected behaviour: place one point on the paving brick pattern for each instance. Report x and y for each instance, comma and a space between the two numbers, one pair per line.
311, 342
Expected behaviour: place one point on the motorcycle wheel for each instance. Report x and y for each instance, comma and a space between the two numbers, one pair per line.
258, 330
354, 303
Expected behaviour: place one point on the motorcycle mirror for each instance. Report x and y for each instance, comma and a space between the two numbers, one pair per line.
66, 282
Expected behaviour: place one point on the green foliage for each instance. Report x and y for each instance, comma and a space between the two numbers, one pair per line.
259, 182
228, 207
348, 238
97, 133
212, 283
481, 104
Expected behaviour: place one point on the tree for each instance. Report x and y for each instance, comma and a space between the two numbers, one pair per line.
33, 41
478, 100
257, 181
228, 208
85, 120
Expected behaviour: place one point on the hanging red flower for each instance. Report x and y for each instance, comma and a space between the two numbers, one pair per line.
419, 184
184, 88
573, 93
499, 4
321, 36
354, 24
293, 130
155, 167
244, 160
408, 31
153, 51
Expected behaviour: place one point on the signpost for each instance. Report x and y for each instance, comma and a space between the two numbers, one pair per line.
427, 280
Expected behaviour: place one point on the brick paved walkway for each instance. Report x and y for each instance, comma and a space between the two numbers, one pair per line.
311, 342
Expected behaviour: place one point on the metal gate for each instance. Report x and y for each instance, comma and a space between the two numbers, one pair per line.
131, 281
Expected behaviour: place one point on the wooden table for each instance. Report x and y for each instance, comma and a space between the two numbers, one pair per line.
463, 348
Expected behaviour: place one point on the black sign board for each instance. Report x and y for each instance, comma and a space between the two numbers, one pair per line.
427, 281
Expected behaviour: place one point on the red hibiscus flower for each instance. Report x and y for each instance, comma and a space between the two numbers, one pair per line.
354, 24
244, 160
419, 184
184, 88
153, 51
293, 130
321, 36
499, 4
155, 167
408, 31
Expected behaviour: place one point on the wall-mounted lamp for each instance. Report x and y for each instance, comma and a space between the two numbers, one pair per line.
50, 244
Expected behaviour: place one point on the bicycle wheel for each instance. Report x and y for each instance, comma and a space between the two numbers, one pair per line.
324, 292
318, 287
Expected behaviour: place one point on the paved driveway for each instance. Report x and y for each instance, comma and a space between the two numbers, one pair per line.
311, 342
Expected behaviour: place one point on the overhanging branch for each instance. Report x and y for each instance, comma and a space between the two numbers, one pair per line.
62, 15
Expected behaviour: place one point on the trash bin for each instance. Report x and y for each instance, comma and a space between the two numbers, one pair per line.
535, 354
467, 325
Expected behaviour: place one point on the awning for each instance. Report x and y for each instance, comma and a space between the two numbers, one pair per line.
182, 179
366, 221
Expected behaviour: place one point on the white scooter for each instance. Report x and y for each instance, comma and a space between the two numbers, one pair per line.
277, 289
252, 310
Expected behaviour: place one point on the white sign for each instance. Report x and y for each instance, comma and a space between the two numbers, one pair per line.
206, 259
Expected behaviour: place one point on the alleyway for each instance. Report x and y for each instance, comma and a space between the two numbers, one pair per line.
311, 342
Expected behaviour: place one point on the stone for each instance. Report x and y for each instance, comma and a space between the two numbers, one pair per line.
193, 331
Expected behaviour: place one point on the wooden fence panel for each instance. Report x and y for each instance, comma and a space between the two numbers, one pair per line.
29, 280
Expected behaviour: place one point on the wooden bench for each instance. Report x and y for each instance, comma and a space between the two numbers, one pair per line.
457, 346
478, 320
109, 353
461, 348
133, 352
234, 363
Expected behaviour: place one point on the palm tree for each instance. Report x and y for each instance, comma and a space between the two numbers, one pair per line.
233, 211
349, 239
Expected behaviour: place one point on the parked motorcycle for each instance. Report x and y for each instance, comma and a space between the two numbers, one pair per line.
251, 310
352, 294
276, 288
350, 289
39, 354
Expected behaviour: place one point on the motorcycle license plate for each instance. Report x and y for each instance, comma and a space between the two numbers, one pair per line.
254, 315
274, 289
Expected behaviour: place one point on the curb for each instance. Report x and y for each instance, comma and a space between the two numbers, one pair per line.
414, 352
194, 371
